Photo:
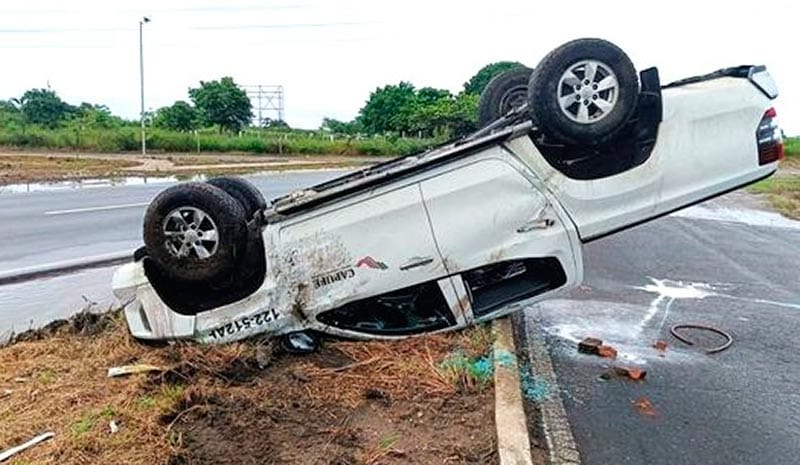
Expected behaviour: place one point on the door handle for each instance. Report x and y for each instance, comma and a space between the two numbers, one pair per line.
539, 221
415, 262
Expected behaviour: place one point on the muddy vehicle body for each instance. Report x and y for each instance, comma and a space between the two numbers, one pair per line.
464, 233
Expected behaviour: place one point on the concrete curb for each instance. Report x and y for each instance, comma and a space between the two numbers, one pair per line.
40, 271
561, 446
513, 444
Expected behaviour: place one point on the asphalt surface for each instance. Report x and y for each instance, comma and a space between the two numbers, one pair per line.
52, 223
55, 223
737, 270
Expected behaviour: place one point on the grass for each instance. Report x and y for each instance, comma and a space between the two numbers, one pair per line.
783, 189
782, 192
126, 139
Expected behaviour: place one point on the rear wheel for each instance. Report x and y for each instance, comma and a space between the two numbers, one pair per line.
505, 92
583, 92
195, 231
242, 190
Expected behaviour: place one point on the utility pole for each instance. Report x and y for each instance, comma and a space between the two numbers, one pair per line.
142, 22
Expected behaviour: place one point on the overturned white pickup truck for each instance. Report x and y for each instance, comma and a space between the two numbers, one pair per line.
578, 149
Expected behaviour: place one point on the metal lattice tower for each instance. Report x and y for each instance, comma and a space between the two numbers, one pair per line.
267, 101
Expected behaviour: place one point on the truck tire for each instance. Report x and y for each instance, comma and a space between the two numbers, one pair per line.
583, 92
242, 190
503, 93
195, 231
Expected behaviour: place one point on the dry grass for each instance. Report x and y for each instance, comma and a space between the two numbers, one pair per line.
59, 384
783, 189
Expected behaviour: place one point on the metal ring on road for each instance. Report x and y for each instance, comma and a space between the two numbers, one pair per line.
674, 331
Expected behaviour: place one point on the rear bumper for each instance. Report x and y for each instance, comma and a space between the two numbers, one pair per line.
148, 317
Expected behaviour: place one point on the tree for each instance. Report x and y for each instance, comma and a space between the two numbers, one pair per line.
449, 115
340, 127
180, 116
6, 106
88, 115
478, 82
10, 115
44, 107
388, 109
222, 103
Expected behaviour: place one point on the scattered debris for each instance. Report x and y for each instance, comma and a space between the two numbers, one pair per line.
123, 370
607, 352
263, 356
729, 339
660, 345
594, 346
635, 374
113, 426
504, 358
534, 389
645, 407
8, 453
590, 345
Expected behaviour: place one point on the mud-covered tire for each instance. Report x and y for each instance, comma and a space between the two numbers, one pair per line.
570, 110
242, 190
179, 239
504, 92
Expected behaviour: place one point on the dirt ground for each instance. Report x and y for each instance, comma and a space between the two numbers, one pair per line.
20, 167
350, 403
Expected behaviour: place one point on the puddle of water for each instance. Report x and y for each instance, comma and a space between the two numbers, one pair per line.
33, 304
92, 184
738, 215
616, 324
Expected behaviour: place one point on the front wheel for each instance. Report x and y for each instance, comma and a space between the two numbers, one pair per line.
583, 92
195, 231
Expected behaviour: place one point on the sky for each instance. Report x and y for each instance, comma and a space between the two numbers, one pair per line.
329, 55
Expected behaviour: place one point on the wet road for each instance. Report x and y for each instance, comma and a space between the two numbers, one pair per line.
741, 406
54, 223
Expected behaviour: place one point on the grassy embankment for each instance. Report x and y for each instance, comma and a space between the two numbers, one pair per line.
411, 401
126, 139
783, 189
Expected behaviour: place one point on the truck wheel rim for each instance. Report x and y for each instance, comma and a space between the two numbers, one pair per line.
587, 91
190, 231
512, 99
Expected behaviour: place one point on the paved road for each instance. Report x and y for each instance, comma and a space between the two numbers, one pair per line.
71, 221
53, 224
741, 406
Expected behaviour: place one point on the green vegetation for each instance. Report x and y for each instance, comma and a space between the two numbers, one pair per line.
397, 119
478, 82
126, 139
223, 104
783, 192
783, 189
792, 146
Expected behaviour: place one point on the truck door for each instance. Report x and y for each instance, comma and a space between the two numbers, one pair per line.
369, 265
501, 237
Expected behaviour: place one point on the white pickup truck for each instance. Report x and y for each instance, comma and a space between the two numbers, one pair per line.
461, 234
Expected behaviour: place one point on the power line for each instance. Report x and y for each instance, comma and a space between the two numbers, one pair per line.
196, 28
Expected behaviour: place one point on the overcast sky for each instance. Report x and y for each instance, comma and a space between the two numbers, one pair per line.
329, 55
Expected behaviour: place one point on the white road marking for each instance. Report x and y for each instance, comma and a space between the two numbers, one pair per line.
97, 209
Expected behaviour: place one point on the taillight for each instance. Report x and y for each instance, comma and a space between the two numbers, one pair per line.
769, 138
